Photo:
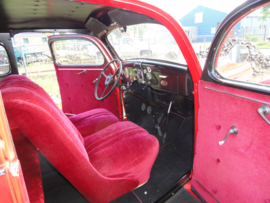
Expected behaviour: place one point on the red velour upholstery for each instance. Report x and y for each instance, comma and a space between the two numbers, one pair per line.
123, 152
238, 170
127, 155
92, 121
78, 89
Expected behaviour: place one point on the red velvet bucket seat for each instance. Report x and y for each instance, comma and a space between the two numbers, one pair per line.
109, 160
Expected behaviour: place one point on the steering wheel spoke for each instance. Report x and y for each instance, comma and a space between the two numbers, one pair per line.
110, 80
104, 74
104, 90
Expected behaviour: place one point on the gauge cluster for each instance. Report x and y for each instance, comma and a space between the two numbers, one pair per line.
165, 77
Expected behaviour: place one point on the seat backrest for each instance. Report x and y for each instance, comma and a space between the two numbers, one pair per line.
30, 108
34, 112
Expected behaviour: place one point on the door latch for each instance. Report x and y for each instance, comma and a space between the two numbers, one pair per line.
233, 130
264, 110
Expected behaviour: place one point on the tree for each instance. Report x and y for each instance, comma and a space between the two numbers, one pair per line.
265, 13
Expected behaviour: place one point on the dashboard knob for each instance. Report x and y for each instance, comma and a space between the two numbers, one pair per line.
149, 110
143, 107
163, 83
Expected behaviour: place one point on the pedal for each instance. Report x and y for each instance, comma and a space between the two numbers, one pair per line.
160, 117
158, 129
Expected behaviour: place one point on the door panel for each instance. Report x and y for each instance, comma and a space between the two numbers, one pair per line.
238, 170
77, 65
77, 90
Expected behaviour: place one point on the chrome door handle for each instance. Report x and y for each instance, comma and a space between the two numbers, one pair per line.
233, 130
264, 110
84, 71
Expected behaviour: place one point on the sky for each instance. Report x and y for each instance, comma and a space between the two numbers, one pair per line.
179, 8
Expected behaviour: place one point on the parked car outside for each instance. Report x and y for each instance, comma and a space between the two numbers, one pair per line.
30, 55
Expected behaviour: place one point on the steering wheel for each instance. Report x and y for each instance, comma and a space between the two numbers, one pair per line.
109, 80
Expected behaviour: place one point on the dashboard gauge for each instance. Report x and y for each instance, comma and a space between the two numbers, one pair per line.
148, 76
140, 75
126, 73
144, 71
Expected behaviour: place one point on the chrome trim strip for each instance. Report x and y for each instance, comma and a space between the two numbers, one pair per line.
207, 191
3, 171
163, 76
262, 102
80, 69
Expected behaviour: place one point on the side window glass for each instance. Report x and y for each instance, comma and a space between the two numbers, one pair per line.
34, 61
245, 54
77, 52
4, 62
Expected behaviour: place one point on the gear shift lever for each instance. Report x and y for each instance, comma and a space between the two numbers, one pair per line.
167, 123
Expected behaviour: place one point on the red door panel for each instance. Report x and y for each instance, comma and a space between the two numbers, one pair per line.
77, 90
76, 81
238, 170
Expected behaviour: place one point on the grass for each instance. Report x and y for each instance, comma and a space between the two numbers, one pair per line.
263, 45
49, 83
35, 67
253, 38
47, 80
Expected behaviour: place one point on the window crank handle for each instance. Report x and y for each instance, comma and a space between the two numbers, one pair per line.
264, 110
84, 71
233, 130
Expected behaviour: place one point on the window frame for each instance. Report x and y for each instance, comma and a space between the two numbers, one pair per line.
25, 39
197, 22
44, 39
75, 65
217, 44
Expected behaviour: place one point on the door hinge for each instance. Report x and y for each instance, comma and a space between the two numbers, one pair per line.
3, 171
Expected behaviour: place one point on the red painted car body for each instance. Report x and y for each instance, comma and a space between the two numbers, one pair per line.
201, 107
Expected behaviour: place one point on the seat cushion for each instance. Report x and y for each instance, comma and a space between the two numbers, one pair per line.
122, 149
92, 121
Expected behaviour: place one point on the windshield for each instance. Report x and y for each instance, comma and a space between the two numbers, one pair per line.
150, 41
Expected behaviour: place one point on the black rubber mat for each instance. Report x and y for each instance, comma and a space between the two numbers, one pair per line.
174, 160
56, 188
183, 196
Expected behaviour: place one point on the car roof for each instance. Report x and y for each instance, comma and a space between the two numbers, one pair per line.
42, 14
34, 15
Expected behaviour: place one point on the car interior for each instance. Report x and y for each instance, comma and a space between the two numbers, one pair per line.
126, 129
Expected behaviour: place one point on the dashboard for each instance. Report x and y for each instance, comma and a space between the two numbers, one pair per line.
167, 77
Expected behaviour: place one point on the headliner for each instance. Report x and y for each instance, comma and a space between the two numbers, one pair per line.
49, 14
